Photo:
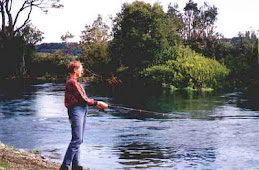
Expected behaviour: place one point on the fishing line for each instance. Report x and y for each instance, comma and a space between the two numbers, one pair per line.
165, 114
133, 109
181, 116
146, 111
92, 73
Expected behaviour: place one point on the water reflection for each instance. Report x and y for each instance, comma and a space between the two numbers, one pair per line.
160, 144
145, 155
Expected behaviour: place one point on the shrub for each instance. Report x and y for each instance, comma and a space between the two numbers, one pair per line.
191, 70
50, 64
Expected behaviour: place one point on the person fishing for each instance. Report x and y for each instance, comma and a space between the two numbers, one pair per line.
77, 104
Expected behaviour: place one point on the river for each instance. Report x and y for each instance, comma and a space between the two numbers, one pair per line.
216, 130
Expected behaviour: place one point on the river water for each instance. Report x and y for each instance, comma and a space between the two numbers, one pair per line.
195, 132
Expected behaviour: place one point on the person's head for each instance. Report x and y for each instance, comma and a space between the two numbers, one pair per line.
75, 68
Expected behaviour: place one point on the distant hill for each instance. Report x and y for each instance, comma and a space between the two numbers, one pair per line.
232, 40
74, 49
69, 48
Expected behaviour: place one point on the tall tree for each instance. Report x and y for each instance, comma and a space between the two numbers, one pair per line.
30, 37
94, 43
16, 39
9, 20
141, 36
68, 46
246, 49
31, 34
191, 19
176, 17
67, 36
196, 26
240, 55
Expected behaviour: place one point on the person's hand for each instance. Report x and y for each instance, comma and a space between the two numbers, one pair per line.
102, 105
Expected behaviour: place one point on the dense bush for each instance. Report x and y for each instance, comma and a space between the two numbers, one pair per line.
48, 65
143, 35
16, 56
191, 70
241, 57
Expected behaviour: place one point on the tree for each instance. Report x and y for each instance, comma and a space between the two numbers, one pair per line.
69, 46
204, 38
9, 19
191, 20
196, 26
16, 40
94, 43
243, 52
240, 55
31, 34
141, 37
176, 17
67, 36
17, 52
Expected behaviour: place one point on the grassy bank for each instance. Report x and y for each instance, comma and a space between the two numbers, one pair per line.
11, 158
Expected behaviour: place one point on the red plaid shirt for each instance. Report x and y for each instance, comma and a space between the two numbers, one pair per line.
75, 94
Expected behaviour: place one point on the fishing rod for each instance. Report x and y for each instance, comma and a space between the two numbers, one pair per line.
111, 80
133, 109
92, 73
181, 116
164, 114
234, 116
145, 111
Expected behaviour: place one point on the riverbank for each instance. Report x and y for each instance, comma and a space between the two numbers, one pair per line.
11, 158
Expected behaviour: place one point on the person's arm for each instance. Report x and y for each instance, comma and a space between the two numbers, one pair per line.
91, 102
79, 92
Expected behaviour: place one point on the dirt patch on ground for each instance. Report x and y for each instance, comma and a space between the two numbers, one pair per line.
11, 158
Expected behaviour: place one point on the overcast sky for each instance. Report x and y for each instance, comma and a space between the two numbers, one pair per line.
234, 16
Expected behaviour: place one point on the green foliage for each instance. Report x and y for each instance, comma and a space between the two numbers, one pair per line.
94, 46
17, 51
15, 56
47, 75
36, 151
31, 34
69, 47
192, 71
4, 165
66, 36
17, 37
146, 42
159, 74
223, 50
241, 57
176, 17
48, 65
142, 37
196, 26
246, 49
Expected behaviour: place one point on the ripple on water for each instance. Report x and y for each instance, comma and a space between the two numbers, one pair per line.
186, 137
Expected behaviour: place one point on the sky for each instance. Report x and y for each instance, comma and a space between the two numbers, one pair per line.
234, 16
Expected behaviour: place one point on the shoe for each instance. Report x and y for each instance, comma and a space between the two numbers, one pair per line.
64, 167
78, 168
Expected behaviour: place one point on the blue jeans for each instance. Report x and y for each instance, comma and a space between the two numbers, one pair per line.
77, 115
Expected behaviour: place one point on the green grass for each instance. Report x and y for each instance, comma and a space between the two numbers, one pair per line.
11, 147
4, 165
36, 151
